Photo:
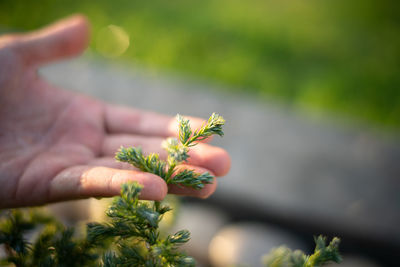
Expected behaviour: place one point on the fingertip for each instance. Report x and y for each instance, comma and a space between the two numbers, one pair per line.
210, 157
208, 190
222, 161
85, 27
77, 33
78, 18
154, 188
203, 193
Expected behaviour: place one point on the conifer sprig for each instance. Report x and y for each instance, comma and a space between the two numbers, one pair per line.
189, 178
213, 126
150, 163
54, 246
323, 254
135, 225
178, 152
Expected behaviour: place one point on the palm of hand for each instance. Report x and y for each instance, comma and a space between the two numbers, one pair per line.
53, 131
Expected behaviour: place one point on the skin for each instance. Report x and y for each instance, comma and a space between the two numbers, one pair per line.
58, 145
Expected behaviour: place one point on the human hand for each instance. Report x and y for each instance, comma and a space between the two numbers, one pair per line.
58, 145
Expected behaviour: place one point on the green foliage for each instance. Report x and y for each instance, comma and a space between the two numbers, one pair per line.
189, 178
177, 151
285, 257
134, 229
322, 56
131, 237
55, 245
137, 222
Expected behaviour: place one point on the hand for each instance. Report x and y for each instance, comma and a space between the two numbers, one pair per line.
58, 145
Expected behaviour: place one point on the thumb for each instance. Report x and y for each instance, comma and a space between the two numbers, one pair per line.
65, 38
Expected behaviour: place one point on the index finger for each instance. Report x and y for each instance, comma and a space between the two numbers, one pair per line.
126, 120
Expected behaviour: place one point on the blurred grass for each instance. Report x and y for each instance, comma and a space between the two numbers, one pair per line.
321, 56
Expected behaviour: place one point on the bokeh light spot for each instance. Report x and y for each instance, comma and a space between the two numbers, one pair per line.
112, 41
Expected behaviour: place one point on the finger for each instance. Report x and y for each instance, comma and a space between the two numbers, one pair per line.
205, 192
207, 156
210, 157
120, 119
173, 189
93, 181
62, 39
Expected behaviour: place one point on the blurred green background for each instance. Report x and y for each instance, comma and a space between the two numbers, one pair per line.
324, 57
